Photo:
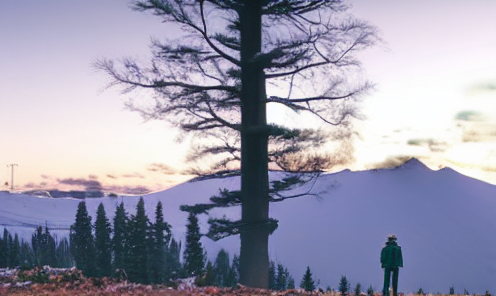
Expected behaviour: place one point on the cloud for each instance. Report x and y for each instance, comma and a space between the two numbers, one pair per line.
134, 190
30, 185
93, 177
133, 175
487, 86
433, 145
469, 115
87, 184
45, 177
111, 176
161, 168
479, 132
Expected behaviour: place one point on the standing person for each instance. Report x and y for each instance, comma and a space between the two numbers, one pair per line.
391, 261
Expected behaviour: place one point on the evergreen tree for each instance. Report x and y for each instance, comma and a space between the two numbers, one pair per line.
282, 278
137, 270
26, 256
208, 278
272, 276
15, 256
358, 289
213, 80
160, 237
82, 241
194, 256
222, 269
452, 290
307, 282
291, 283
344, 285
43, 247
234, 272
63, 254
10, 245
4, 249
102, 243
370, 291
173, 258
119, 249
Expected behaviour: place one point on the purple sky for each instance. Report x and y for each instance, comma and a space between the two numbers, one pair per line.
58, 123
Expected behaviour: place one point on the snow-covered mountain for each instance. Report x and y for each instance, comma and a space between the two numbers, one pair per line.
444, 221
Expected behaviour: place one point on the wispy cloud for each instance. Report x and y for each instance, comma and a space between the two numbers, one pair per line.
134, 190
133, 175
88, 184
161, 168
93, 177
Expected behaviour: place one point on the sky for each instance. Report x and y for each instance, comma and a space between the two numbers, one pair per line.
435, 95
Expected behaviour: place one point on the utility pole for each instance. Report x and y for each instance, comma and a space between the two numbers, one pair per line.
12, 165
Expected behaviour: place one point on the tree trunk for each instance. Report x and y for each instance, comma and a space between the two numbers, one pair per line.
254, 258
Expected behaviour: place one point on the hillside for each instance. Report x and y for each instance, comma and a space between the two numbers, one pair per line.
445, 223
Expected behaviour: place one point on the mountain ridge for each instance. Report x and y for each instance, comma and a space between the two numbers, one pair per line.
444, 221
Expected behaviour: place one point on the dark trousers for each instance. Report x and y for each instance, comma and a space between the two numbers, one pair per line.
387, 276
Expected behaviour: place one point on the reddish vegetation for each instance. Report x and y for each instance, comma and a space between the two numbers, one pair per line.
51, 282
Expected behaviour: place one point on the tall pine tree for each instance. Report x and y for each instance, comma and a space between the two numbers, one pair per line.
102, 243
120, 252
194, 256
82, 241
137, 270
160, 237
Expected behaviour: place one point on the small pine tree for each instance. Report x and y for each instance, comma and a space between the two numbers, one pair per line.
452, 290
272, 275
26, 256
291, 283
221, 269
344, 285
194, 255
234, 272
82, 241
3, 252
5, 249
358, 289
63, 254
15, 256
208, 278
173, 255
119, 249
103, 243
44, 248
307, 282
420, 291
370, 291
282, 277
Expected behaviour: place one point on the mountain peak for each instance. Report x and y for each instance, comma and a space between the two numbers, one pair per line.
413, 163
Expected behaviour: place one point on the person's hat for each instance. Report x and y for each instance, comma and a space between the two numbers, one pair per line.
391, 237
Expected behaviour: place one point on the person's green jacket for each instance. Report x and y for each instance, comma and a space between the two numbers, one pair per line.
391, 256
